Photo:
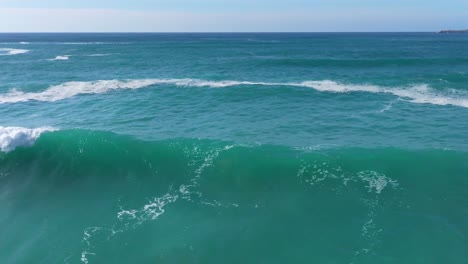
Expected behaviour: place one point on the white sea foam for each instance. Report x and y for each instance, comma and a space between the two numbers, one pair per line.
376, 181
422, 94
24, 43
70, 89
150, 211
9, 51
61, 57
12, 137
415, 94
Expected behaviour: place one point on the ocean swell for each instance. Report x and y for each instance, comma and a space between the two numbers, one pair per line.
415, 93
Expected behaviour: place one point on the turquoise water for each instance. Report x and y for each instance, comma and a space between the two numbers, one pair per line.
234, 148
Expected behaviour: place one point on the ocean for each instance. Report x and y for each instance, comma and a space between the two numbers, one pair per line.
234, 148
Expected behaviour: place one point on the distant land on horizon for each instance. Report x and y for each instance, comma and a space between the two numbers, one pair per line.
454, 31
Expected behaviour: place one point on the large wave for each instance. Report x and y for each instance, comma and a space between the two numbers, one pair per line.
416, 93
140, 181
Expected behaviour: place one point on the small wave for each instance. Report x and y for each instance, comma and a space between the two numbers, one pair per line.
9, 51
91, 43
416, 94
99, 55
13, 137
62, 57
81, 43
24, 43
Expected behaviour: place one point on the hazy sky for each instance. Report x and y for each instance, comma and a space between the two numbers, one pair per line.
231, 15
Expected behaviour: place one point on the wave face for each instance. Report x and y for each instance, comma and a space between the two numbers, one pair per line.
122, 193
9, 51
415, 94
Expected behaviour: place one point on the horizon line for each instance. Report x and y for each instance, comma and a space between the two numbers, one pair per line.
207, 32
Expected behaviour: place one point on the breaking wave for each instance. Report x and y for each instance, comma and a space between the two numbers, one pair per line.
9, 51
13, 137
416, 94
164, 178
62, 57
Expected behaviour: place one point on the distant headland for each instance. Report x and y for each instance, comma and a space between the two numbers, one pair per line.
454, 31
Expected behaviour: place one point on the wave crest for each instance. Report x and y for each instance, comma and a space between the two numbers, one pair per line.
415, 94
60, 57
13, 137
9, 51
422, 94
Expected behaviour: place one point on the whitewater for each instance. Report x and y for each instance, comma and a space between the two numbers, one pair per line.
417, 94
10, 51
12, 137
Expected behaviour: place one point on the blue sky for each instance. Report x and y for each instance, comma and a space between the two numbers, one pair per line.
231, 15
